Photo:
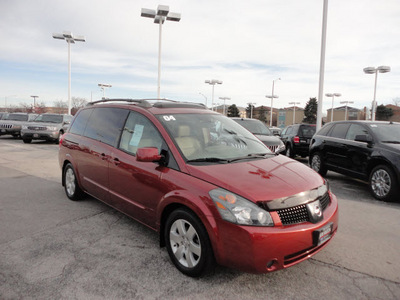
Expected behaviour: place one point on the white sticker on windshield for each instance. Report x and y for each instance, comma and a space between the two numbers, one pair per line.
373, 125
169, 118
137, 135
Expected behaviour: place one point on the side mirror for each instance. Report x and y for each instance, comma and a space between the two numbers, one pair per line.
148, 155
363, 138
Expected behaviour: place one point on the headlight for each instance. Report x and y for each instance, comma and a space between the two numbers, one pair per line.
51, 128
238, 210
281, 147
24, 127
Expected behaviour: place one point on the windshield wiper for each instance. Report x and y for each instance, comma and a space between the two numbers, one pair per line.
391, 142
251, 156
209, 159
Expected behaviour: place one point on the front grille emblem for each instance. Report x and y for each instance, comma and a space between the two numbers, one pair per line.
314, 211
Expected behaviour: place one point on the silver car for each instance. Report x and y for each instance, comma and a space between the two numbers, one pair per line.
49, 127
13, 122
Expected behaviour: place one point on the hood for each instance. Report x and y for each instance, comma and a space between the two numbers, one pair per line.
269, 139
262, 179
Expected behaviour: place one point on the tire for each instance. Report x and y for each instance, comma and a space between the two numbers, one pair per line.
57, 140
383, 183
289, 151
188, 243
71, 186
27, 141
317, 165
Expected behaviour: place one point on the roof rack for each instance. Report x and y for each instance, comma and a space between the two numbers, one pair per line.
159, 103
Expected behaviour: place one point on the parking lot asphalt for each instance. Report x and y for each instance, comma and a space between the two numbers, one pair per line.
54, 248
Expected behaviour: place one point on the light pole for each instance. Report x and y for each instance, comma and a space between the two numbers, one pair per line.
213, 82
70, 39
333, 97
345, 113
251, 109
159, 17
272, 99
205, 98
34, 102
294, 110
5, 100
372, 70
103, 86
224, 98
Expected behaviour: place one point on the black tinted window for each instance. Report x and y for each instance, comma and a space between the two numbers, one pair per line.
307, 131
105, 124
79, 124
324, 130
339, 131
354, 130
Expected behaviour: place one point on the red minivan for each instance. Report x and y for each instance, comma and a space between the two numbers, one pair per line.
214, 192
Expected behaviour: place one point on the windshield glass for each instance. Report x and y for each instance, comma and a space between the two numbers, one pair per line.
307, 130
211, 138
49, 119
387, 132
17, 117
254, 126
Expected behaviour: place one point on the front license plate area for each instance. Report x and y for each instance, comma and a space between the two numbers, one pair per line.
323, 234
35, 135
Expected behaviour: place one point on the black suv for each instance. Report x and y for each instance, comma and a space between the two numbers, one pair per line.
297, 139
365, 150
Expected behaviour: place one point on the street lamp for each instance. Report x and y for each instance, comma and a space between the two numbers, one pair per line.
103, 86
34, 101
5, 100
224, 98
213, 82
251, 109
345, 113
70, 39
372, 70
272, 99
333, 97
159, 17
294, 109
205, 98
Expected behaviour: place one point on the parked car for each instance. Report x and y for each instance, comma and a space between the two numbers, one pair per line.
297, 139
262, 132
365, 150
212, 191
12, 123
275, 130
3, 115
47, 127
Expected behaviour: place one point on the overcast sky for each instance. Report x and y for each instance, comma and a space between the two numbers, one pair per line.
245, 44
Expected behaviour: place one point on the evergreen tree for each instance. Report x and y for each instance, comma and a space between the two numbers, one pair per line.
310, 111
233, 111
383, 113
262, 114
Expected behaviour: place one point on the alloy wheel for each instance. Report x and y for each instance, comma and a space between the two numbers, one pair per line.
381, 183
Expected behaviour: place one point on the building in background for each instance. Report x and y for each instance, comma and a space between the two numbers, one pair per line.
339, 114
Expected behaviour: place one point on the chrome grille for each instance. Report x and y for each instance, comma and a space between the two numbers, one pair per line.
273, 148
36, 128
7, 126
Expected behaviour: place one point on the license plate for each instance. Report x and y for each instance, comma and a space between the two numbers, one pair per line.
323, 234
3, 130
35, 135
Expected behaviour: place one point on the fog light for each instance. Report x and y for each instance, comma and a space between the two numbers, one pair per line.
271, 265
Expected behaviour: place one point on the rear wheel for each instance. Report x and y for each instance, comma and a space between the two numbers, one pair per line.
72, 189
383, 183
188, 244
289, 151
317, 165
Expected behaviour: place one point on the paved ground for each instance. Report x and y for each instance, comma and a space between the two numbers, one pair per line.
53, 248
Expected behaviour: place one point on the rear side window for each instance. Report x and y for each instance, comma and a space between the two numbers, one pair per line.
105, 124
354, 130
79, 124
339, 131
324, 130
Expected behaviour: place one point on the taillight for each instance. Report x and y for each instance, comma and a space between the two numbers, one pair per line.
61, 140
296, 139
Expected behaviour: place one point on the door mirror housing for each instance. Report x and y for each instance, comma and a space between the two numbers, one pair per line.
149, 154
363, 138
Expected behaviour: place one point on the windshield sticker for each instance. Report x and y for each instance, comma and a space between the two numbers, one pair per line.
137, 135
372, 125
169, 118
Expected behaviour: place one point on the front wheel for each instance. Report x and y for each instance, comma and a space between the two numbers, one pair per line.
289, 151
27, 141
72, 189
383, 184
188, 244
317, 165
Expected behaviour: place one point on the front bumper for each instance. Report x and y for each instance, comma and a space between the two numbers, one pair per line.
12, 131
40, 135
266, 249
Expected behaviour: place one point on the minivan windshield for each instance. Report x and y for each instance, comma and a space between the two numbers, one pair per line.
49, 119
387, 133
254, 126
212, 138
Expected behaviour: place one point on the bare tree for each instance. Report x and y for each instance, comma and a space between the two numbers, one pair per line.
396, 101
77, 103
60, 106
